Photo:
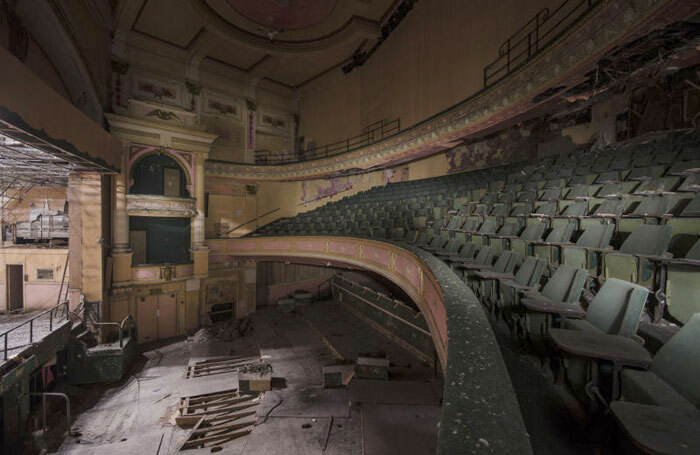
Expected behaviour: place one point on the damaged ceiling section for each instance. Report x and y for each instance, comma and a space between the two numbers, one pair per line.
28, 161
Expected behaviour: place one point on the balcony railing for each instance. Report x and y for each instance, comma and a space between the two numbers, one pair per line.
373, 133
33, 330
534, 37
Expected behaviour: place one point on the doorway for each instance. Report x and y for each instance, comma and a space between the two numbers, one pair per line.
15, 287
156, 317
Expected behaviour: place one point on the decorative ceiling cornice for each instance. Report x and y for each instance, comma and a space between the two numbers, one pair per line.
130, 130
562, 66
355, 26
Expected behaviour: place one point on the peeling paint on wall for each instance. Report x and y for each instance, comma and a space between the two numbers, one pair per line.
317, 189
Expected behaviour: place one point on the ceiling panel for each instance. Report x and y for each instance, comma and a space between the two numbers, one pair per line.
168, 20
294, 70
234, 54
299, 19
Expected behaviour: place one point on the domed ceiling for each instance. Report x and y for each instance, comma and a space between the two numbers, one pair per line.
285, 14
290, 42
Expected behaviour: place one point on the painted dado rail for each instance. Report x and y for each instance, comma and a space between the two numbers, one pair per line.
480, 412
563, 65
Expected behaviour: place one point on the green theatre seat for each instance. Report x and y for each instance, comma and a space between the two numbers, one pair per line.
674, 376
615, 309
483, 258
682, 286
466, 253
480, 237
565, 285
501, 239
505, 264
505, 297
549, 250
637, 259
522, 245
586, 252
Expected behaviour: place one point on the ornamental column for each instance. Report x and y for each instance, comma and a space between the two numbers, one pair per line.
200, 251
121, 251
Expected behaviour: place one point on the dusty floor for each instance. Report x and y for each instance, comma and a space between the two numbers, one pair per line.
369, 417
18, 338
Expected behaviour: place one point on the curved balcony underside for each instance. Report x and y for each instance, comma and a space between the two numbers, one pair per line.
561, 67
479, 402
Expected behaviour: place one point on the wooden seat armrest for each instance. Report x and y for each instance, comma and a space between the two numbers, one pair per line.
474, 266
520, 287
663, 258
616, 348
462, 260
494, 276
569, 310
659, 429
607, 249
681, 261
553, 243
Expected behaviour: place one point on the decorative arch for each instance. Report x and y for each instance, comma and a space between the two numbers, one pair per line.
185, 160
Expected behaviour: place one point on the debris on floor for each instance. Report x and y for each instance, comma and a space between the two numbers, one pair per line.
223, 365
222, 331
373, 365
217, 418
338, 374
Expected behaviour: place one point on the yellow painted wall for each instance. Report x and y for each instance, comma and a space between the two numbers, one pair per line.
38, 294
432, 60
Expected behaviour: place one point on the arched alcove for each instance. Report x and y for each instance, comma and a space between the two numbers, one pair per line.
159, 174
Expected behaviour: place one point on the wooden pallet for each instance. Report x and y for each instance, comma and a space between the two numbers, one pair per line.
219, 365
216, 418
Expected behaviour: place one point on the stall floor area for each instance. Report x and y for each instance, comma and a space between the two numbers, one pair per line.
298, 416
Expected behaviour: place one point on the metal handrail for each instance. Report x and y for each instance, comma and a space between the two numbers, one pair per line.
50, 311
318, 289
43, 396
128, 319
251, 220
375, 132
537, 34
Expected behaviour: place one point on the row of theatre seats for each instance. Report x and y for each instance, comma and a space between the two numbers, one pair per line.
593, 258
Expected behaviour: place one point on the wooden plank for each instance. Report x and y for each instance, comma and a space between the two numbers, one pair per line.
219, 438
187, 421
231, 417
229, 408
194, 428
225, 426
220, 403
253, 359
199, 398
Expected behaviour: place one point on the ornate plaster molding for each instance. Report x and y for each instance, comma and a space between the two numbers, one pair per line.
355, 27
150, 205
132, 130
